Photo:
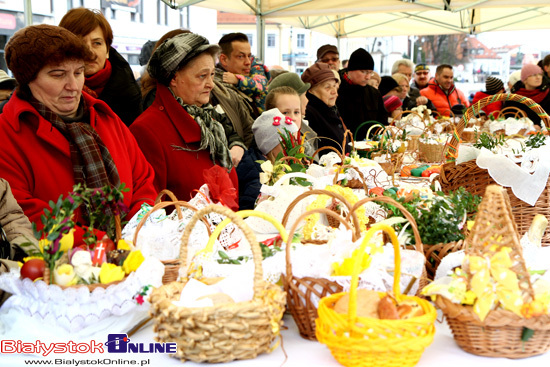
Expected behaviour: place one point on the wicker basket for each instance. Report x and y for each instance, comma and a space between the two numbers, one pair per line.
362, 341
353, 183
171, 267
299, 301
224, 332
418, 246
500, 333
475, 179
331, 194
434, 254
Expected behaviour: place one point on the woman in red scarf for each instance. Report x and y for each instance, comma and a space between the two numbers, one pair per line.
532, 85
108, 77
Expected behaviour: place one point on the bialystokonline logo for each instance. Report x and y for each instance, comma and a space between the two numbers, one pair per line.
116, 343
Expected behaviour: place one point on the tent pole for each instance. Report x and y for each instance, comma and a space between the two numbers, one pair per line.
28, 13
260, 31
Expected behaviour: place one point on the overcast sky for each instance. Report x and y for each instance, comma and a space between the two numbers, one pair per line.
534, 39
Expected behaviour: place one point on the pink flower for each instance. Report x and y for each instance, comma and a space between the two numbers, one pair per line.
139, 299
288, 120
276, 120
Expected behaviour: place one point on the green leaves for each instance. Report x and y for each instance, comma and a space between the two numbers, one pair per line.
489, 142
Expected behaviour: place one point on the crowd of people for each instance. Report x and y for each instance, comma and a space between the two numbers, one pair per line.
77, 115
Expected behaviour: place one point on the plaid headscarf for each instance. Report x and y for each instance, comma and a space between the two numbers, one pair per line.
92, 161
174, 53
212, 133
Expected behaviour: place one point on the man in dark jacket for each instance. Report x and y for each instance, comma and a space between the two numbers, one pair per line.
357, 101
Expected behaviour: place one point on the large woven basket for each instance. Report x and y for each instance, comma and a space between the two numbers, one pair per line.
475, 179
500, 333
171, 267
224, 332
362, 341
300, 291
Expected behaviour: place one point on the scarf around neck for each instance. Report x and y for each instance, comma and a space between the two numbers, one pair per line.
212, 133
92, 162
536, 94
95, 84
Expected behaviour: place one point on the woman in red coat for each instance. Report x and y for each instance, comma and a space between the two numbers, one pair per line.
181, 134
53, 135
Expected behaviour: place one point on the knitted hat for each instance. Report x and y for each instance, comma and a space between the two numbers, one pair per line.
514, 77
174, 53
360, 59
391, 103
323, 50
291, 80
318, 73
387, 83
528, 70
266, 129
421, 67
5, 81
493, 85
32, 48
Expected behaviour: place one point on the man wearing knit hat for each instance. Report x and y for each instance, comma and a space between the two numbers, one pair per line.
492, 86
442, 92
357, 101
329, 55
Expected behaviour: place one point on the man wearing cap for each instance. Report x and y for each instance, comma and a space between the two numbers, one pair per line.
405, 67
421, 76
329, 55
357, 101
442, 92
492, 86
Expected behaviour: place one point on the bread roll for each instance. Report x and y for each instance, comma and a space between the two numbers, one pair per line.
387, 309
408, 309
367, 303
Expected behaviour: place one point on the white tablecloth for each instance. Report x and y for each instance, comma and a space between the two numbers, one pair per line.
443, 352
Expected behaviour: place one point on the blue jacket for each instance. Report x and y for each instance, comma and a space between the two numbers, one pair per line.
248, 172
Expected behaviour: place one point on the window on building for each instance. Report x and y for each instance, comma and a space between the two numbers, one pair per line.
300, 40
270, 40
250, 39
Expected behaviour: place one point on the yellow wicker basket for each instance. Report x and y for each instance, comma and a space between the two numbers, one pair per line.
361, 341
224, 332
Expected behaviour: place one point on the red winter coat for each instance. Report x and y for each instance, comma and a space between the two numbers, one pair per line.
441, 100
35, 157
165, 124
490, 108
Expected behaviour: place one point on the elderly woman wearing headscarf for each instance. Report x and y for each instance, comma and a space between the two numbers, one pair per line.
54, 135
181, 134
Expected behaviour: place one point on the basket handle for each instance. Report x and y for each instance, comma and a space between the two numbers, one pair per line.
452, 146
166, 192
335, 180
385, 199
295, 227
164, 204
327, 147
334, 195
346, 133
408, 112
372, 122
515, 111
352, 310
239, 222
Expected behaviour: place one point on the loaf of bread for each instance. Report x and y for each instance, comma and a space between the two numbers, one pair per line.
367, 303
408, 309
387, 309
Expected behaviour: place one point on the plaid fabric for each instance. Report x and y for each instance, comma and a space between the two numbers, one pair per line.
92, 161
174, 52
212, 133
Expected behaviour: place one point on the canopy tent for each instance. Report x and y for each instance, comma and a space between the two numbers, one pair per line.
352, 18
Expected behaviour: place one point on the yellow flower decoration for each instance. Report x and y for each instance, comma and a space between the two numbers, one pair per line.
493, 282
123, 245
133, 261
110, 273
65, 244
346, 267
321, 202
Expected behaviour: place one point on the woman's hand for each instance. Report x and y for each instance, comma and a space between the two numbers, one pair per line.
236, 154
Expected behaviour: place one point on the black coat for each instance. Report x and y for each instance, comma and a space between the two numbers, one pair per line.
358, 104
122, 92
326, 122
248, 172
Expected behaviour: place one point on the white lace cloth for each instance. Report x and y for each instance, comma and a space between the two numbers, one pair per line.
75, 311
